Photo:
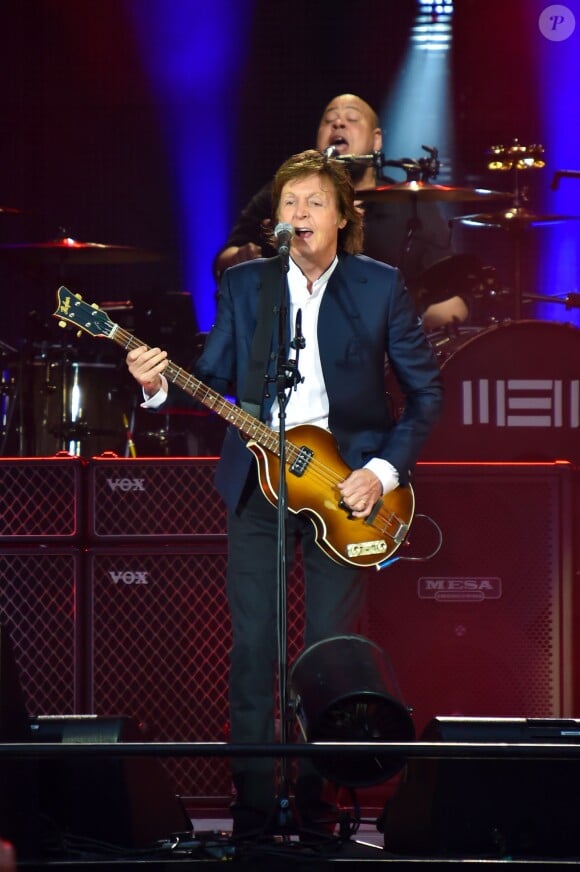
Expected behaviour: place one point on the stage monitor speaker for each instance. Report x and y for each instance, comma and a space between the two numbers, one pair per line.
127, 802
489, 808
41, 500
483, 628
161, 499
159, 641
41, 604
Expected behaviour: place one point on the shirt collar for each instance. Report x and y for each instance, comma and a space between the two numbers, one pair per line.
296, 275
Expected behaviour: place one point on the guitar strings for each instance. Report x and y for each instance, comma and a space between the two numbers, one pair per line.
319, 471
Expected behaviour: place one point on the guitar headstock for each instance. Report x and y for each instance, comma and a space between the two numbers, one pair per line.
86, 317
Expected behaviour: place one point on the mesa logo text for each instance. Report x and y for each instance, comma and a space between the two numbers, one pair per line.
459, 589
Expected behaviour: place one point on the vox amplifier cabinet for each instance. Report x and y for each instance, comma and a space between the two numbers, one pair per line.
484, 627
158, 648
41, 499
40, 607
154, 499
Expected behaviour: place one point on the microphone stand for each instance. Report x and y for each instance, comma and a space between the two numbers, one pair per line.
287, 378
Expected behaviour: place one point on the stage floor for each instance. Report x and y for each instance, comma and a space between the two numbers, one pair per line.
210, 843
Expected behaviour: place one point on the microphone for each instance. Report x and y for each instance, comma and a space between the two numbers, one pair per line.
283, 233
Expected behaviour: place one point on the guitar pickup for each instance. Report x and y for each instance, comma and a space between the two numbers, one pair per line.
299, 466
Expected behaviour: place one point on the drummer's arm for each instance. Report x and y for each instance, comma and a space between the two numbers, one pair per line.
451, 311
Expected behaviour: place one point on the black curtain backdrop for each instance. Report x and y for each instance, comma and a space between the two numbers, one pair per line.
83, 148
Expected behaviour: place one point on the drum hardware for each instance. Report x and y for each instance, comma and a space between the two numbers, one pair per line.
457, 279
563, 174
516, 157
11, 406
65, 251
517, 219
419, 169
570, 301
73, 406
8, 392
6, 349
428, 192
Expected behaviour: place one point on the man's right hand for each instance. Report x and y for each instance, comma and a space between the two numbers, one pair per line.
146, 365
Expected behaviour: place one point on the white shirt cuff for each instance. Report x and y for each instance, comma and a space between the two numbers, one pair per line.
385, 472
157, 399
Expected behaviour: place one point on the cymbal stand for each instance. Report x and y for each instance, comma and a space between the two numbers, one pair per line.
517, 157
8, 400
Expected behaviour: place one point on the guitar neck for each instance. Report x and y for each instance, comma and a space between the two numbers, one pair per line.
243, 421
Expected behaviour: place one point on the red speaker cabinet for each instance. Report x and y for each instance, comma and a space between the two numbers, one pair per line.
155, 499
41, 499
483, 628
39, 602
158, 647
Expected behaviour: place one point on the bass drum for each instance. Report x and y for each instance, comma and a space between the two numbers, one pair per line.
512, 393
77, 407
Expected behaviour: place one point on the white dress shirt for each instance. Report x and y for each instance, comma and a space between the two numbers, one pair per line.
308, 403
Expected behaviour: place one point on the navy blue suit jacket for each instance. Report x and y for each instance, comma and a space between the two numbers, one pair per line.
365, 313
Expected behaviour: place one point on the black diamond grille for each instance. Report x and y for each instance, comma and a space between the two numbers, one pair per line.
161, 638
38, 599
40, 499
160, 498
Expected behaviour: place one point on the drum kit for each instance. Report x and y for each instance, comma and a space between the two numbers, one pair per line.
512, 384
497, 371
73, 396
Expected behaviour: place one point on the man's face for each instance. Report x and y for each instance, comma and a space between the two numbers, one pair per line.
309, 204
347, 124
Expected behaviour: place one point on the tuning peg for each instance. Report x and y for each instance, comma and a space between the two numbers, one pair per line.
62, 324
78, 296
79, 334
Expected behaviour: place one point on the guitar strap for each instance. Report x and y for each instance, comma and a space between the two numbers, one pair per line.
252, 398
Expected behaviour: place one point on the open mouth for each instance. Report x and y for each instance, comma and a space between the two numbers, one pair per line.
340, 143
303, 232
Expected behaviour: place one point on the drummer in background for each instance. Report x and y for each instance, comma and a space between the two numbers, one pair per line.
392, 232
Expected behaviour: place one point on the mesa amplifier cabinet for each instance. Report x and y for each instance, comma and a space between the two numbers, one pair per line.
158, 646
483, 628
154, 499
41, 499
40, 607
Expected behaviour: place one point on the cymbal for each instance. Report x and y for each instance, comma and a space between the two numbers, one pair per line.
517, 217
427, 192
68, 250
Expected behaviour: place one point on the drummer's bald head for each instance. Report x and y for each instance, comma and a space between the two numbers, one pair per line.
358, 103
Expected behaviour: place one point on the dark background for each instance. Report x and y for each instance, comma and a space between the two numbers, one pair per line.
83, 148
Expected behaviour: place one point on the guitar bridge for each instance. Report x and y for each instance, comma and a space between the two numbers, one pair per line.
299, 466
401, 534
